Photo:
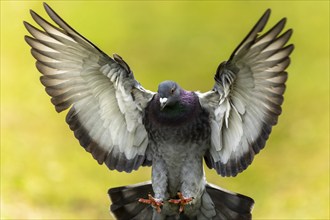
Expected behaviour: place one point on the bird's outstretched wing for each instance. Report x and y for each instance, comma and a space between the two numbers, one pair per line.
105, 101
246, 100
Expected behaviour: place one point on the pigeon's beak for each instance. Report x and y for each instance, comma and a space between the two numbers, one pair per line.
163, 102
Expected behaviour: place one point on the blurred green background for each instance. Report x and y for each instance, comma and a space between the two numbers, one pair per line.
45, 174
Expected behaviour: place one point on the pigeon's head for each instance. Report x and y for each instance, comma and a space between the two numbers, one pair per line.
169, 93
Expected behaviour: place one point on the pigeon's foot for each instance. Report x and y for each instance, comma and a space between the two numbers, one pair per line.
156, 203
182, 201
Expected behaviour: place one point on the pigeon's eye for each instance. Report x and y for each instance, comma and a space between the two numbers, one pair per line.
172, 90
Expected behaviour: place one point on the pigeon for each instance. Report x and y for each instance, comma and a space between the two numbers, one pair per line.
125, 126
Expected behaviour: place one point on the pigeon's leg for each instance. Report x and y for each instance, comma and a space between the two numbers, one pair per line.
192, 184
159, 178
182, 201
159, 185
156, 203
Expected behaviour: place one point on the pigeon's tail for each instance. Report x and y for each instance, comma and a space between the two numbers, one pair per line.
229, 205
125, 205
216, 204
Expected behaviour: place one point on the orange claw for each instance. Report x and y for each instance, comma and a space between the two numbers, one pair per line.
182, 201
153, 202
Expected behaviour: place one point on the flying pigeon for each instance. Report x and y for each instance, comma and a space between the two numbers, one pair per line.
126, 126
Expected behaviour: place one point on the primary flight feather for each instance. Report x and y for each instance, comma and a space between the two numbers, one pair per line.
126, 126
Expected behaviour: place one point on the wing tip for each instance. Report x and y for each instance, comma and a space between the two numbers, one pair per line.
257, 28
281, 23
267, 12
48, 9
45, 5
25, 23
29, 40
33, 14
29, 27
264, 19
287, 34
289, 48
